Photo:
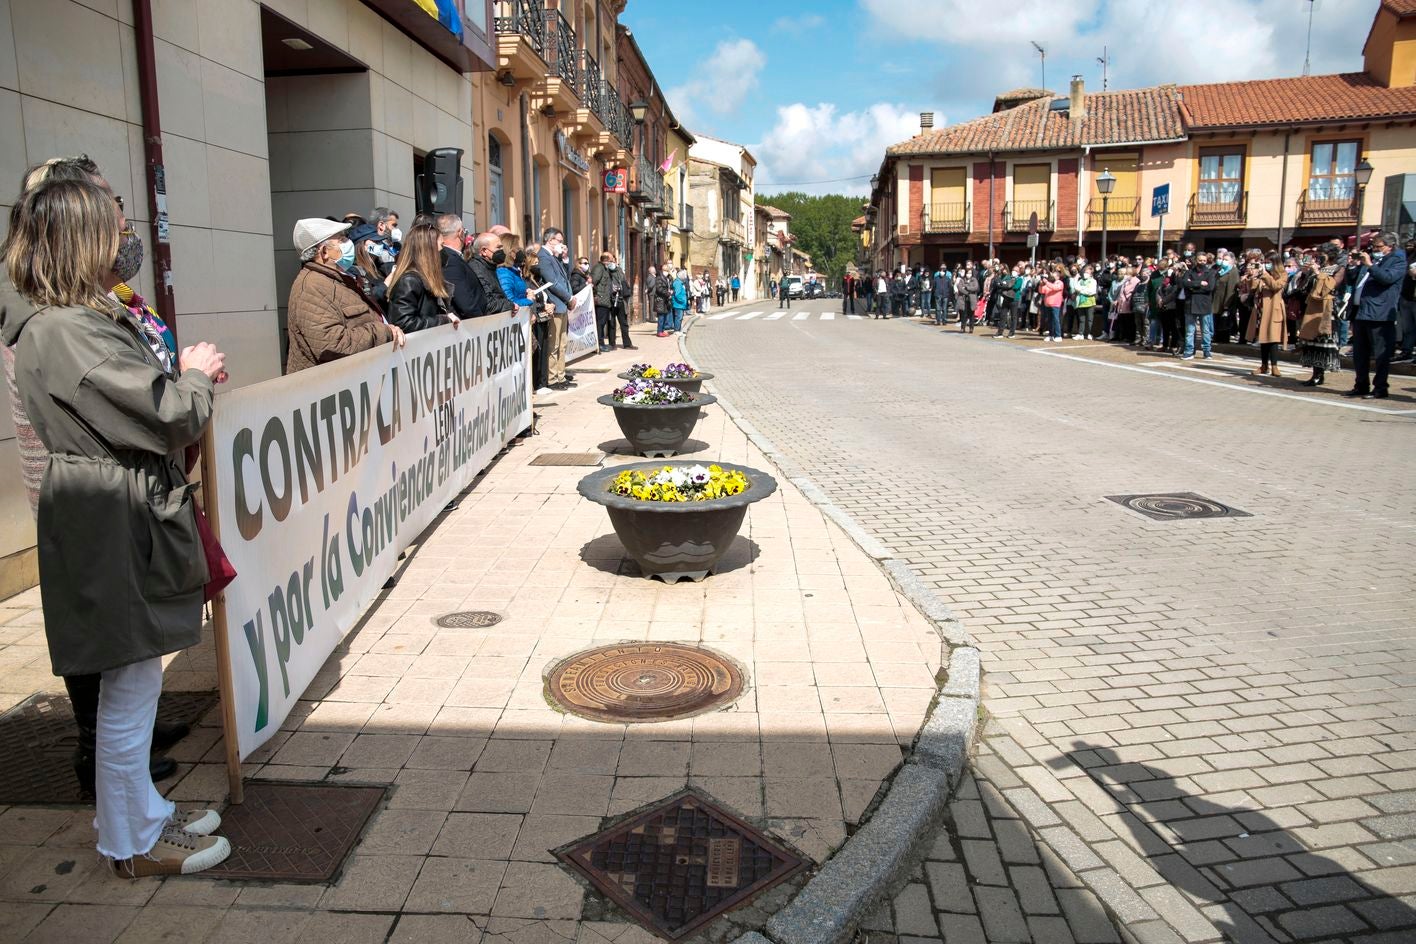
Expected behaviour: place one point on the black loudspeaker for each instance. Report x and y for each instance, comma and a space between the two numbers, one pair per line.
440, 184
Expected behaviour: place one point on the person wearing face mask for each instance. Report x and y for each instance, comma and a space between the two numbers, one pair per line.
511, 275
1316, 347
120, 563
1268, 324
1226, 283
419, 298
1084, 289
661, 296
612, 295
579, 275
384, 240
328, 314
556, 278
487, 254
83, 688
1375, 293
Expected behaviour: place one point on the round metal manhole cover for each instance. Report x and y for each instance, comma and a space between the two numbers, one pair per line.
640, 682
469, 619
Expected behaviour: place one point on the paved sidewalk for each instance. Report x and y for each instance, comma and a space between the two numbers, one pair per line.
485, 776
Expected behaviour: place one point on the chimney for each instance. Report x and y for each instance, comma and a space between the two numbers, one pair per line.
926, 122
1077, 108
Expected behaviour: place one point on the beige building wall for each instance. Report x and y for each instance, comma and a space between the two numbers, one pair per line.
244, 158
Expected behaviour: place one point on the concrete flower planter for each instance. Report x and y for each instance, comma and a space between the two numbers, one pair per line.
686, 384
657, 429
675, 540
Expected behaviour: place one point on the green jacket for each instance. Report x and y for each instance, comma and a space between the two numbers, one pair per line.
121, 566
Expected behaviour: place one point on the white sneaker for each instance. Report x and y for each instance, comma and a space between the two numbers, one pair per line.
196, 822
1076, 337
176, 853
544, 391
1090, 338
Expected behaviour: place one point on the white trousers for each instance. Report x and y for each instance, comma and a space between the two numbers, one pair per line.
131, 813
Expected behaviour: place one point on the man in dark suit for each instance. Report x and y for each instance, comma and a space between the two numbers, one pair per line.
556, 276
1197, 280
467, 297
487, 254
1376, 290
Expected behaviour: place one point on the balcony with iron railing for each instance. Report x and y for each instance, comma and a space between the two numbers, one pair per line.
946, 217
670, 205
1213, 210
732, 231
1018, 214
618, 120
647, 186
562, 55
1121, 213
686, 224
521, 38
1336, 211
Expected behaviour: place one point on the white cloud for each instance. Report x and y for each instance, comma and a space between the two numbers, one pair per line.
721, 82
798, 24
1147, 41
811, 143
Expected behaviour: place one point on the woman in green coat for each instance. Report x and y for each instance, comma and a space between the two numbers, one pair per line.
121, 565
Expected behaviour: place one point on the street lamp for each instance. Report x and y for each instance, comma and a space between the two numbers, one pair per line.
1363, 175
640, 110
1104, 185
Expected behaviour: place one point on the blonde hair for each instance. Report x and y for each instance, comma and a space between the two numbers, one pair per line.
62, 244
422, 253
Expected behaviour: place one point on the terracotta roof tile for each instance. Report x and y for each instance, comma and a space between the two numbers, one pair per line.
1353, 95
1132, 116
1401, 8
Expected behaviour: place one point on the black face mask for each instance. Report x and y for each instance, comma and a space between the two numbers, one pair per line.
536, 272
519, 259
499, 257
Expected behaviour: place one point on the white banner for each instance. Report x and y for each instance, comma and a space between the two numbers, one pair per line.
325, 476
582, 337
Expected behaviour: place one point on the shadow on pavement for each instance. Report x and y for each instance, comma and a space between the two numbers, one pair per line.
606, 554
622, 447
1257, 879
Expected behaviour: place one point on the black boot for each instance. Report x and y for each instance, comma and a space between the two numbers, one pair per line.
83, 696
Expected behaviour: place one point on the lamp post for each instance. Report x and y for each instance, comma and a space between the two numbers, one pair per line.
1363, 175
1104, 185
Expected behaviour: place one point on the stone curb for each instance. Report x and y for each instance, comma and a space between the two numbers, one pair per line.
879, 856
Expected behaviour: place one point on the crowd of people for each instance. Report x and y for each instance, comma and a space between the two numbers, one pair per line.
1325, 300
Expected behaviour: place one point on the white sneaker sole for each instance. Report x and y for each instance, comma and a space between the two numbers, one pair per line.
201, 861
205, 825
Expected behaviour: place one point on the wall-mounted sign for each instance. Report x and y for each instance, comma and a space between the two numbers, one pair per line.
569, 156
617, 180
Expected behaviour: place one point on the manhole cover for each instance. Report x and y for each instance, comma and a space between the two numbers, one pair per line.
569, 458
681, 864
644, 682
294, 832
1177, 506
37, 740
469, 619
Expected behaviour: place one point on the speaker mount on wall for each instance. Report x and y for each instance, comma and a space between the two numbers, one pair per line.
439, 187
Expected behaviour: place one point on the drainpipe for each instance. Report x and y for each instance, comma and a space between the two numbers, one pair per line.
1084, 169
990, 204
165, 302
528, 205
1283, 188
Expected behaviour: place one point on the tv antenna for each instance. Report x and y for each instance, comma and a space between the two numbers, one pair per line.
1105, 61
1307, 52
1042, 53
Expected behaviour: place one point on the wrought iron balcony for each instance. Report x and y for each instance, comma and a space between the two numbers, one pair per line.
1121, 213
1018, 214
563, 58
618, 119
686, 224
1212, 212
670, 204
592, 84
647, 186
1337, 211
524, 18
947, 218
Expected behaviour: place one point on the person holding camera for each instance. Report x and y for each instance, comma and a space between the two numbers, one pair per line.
1316, 347
1375, 293
1269, 323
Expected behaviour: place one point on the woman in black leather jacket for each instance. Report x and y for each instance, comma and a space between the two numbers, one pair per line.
419, 298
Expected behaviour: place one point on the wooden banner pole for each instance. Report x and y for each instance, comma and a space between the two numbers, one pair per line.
224, 681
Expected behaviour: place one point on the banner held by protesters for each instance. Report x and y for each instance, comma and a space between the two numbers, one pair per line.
582, 336
360, 456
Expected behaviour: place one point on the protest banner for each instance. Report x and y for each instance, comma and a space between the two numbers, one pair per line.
581, 336
323, 477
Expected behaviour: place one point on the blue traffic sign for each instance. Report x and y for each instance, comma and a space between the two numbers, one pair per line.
1160, 200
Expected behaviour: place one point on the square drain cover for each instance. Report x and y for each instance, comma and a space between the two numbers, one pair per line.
294, 832
681, 864
1177, 506
38, 737
569, 458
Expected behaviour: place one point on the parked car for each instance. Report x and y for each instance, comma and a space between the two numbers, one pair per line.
793, 284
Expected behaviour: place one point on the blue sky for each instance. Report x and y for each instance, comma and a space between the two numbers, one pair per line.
818, 90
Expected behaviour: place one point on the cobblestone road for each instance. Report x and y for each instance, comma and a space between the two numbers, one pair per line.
1209, 724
